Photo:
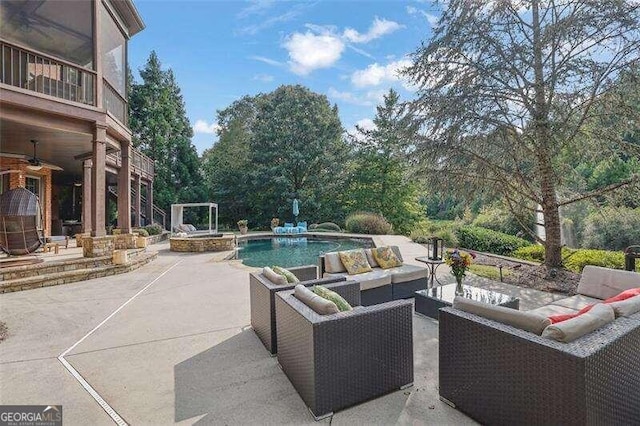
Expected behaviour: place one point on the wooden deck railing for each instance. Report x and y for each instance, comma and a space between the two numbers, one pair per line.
141, 164
35, 71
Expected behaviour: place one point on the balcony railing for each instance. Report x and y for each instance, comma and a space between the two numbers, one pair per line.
115, 104
140, 163
43, 74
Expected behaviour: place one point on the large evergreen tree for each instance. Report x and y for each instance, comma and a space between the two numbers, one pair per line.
380, 181
162, 131
507, 86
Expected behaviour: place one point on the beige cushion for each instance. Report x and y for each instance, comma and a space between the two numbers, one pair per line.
370, 258
626, 308
374, 279
524, 320
273, 277
569, 330
319, 304
404, 273
577, 302
550, 310
396, 250
603, 283
332, 263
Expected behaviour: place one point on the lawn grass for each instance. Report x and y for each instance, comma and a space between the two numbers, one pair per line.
490, 272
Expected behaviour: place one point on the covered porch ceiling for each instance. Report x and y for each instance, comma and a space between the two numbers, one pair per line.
55, 146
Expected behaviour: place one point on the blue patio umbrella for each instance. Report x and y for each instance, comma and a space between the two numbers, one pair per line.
296, 208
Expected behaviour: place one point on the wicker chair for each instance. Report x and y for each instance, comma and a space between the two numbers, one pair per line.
500, 375
20, 222
262, 292
335, 361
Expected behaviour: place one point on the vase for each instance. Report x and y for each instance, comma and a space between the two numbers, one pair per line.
459, 289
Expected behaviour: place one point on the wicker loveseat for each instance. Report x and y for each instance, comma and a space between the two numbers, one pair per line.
379, 285
335, 361
501, 375
262, 292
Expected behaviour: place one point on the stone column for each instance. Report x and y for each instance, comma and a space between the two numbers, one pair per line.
98, 178
86, 196
136, 200
124, 189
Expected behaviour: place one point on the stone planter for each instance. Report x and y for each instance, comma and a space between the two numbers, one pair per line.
120, 257
243, 229
141, 242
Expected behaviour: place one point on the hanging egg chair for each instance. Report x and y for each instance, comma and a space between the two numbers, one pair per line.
20, 222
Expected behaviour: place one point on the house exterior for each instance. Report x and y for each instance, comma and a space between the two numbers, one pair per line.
63, 67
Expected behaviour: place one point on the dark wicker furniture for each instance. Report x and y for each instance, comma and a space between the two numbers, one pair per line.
500, 375
335, 361
428, 302
262, 291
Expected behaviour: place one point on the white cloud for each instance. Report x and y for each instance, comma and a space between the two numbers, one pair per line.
309, 51
256, 7
378, 28
376, 74
202, 126
265, 78
366, 124
348, 97
430, 17
266, 60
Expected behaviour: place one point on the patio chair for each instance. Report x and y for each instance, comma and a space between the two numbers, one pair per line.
20, 222
338, 360
302, 227
262, 297
289, 228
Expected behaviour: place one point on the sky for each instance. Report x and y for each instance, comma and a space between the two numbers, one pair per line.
220, 51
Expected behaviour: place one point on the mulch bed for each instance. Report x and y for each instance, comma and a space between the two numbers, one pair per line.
539, 277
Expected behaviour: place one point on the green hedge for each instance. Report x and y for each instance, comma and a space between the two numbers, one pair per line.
444, 229
482, 239
576, 260
326, 226
154, 229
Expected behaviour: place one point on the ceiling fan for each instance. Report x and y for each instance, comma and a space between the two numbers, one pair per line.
34, 163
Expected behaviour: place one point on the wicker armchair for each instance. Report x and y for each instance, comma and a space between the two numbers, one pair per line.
500, 375
335, 361
262, 291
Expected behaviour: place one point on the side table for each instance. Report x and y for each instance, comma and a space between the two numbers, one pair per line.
432, 264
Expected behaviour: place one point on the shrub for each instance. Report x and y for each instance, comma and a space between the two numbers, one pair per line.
141, 232
612, 228
534, 253
154, 229
497, 219
444, 229
482, 239
367, 223
327, 226
577, 260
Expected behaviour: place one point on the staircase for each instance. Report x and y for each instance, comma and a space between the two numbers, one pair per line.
46, 274
159, 215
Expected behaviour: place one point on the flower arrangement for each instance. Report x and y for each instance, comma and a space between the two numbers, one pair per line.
275, 222
459, 261
243, 223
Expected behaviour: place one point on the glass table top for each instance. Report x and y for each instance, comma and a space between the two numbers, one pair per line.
447, 293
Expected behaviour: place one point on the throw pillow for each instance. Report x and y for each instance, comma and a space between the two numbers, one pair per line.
385, 257
319, 304
286, 273
273, 277
570, 330
627, 307
627, 294
325, 293
355, 261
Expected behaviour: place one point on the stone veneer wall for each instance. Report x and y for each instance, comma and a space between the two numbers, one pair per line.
202, 244
98, 246
124, 241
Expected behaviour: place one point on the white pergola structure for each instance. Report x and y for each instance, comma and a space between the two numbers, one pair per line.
177, 211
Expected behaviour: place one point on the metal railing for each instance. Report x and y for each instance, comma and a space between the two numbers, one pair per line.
40, 73
115, 104
141, 164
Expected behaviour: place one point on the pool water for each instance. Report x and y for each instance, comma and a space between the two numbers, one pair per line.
288, 252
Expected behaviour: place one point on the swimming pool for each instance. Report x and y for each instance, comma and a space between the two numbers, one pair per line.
292, 251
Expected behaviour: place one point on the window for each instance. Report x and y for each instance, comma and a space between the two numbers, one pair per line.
114, 54
33, 185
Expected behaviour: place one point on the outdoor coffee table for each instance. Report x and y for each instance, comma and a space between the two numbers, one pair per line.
428, 302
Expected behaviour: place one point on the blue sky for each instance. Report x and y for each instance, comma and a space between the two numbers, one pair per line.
223, 50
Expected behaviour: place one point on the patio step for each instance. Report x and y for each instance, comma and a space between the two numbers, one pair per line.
90, 271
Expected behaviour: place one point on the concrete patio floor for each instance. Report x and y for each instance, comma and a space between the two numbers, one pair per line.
182, 352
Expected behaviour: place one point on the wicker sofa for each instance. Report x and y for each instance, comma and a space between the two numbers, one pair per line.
379, 285
501, 375
262, 292
335, 361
